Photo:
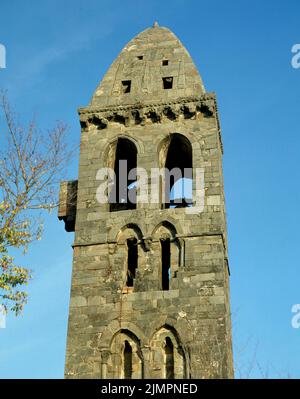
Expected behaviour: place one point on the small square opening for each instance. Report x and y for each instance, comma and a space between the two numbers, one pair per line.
140, 57
165, 62
168, 82
126, 86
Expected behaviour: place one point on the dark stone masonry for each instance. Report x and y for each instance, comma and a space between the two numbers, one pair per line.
150, 282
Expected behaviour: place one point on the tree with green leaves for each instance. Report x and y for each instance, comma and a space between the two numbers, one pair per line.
32, 163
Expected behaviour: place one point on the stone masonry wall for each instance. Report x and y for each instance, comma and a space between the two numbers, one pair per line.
183, 332
197, 304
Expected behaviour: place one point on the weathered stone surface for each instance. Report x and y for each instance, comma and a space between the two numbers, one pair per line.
67, 204
190, 320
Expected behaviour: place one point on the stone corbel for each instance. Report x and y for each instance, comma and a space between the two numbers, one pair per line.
154, 114
147, 242
207, 106
170, 112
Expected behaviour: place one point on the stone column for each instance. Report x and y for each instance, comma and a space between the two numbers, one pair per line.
105, 353
147, 361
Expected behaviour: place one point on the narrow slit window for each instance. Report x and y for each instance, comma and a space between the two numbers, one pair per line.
169, 358
165, 62
127, 355
132, 261
165, 264
126, 85
168, 82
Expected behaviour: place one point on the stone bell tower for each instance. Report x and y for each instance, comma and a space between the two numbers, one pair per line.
150, 289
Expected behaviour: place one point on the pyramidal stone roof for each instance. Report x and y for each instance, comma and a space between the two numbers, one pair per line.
154, 66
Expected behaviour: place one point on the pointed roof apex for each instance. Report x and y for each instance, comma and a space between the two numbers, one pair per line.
145, 62
155, 25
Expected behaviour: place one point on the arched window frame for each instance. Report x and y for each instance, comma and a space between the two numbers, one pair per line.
182, 162
165, 232
130, 233
116, 360
158, 353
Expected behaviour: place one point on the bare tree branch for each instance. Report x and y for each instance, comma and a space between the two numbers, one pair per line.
32, 163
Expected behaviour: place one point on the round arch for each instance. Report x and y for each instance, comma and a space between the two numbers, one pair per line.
114, 327
112, 144
128, 231
125, 358
166, 226
169, 358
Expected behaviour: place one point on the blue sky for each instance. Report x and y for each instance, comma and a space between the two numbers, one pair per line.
57, 52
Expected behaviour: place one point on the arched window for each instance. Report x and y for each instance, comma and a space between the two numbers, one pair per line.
169, 358
123, 193
127, 360
130, 252
165, 263
178, 172
132, 260
168, 355
125, 357
171, 256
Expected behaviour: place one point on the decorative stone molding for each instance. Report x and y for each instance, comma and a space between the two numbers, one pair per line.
140, 114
